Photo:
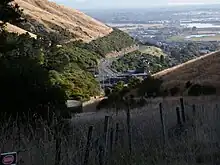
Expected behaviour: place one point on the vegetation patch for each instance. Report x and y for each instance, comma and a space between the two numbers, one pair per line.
115, 41
152, 50
141, 61
197, 90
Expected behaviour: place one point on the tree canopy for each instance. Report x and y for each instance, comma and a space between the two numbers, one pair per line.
10, 12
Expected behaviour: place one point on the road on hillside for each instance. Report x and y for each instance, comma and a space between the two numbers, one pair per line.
104, 66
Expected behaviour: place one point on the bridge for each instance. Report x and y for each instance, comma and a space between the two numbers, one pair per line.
109, 81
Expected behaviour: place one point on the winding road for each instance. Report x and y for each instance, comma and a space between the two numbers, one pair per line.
104, 66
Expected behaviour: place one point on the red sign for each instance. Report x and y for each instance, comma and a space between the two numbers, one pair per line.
8, 160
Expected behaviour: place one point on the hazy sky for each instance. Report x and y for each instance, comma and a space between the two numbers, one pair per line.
83, 4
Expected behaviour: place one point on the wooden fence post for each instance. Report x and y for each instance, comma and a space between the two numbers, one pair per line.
111, 140
194, 110
116, 133
183, 110
106, 127
162, 123
19, 131
101, 160
58, 144
89, 138
129, 128
178, 116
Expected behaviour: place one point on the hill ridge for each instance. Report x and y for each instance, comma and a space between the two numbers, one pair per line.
203, 70
53, 16
167, 71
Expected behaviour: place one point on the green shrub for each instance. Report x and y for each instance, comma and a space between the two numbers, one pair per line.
188, 84
150, 87
174, 91
25, 82
134, 61
197, 90
115, 41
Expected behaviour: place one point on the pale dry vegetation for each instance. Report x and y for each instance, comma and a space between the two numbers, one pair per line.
50, 15
14, 29
196, 143
203, 70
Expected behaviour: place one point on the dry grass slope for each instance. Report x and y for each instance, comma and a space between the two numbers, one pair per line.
50, 14
202, 70
14, 29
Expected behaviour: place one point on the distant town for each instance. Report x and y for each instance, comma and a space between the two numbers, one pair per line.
170, 26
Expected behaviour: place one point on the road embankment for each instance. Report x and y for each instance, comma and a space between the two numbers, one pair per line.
90, 106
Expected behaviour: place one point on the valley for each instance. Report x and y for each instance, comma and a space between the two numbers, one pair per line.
109, 87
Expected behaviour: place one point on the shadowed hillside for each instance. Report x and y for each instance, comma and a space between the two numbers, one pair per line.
203, 70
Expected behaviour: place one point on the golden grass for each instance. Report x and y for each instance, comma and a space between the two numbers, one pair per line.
202, 70
152, 50
49, 14
14, 29
200, 136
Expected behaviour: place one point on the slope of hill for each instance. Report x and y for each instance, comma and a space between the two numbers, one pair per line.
154, 60
14, 29
203, 70
45, 16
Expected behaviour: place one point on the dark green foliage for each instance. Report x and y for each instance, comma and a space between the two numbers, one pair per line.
162, 59
186, 51
174, 91
108, 91
150, 87
133, 82
25, 83
104, 103
70, 65
165, 93
115, 41
188, 84
9, 12
197, 90
135, 61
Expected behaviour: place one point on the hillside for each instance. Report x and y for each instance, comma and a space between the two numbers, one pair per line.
14, 29
203, 70
152, 60
199, 76
44, 17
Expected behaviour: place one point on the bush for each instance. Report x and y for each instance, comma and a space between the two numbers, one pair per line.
188, 84
150, 87
174, 91
25, 83
134, 61
197, 90
115, 41
102, 104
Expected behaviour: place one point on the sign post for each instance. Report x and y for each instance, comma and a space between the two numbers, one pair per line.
9, 158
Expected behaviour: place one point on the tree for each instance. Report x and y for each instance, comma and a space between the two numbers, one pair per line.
25, 82
10, 12
133, 82
162, 58
150, 87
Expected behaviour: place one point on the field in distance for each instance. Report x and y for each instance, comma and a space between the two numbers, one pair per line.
152, 50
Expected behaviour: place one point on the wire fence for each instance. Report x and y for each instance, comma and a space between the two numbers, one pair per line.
174, 132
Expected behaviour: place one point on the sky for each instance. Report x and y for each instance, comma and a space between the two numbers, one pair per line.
96, 4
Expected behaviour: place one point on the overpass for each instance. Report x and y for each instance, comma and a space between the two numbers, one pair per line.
110, 81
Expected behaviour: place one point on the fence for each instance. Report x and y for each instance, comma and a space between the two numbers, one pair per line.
176, 132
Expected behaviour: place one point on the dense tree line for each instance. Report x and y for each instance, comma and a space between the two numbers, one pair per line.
115, 41
190, 50
140, 61
37, 75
